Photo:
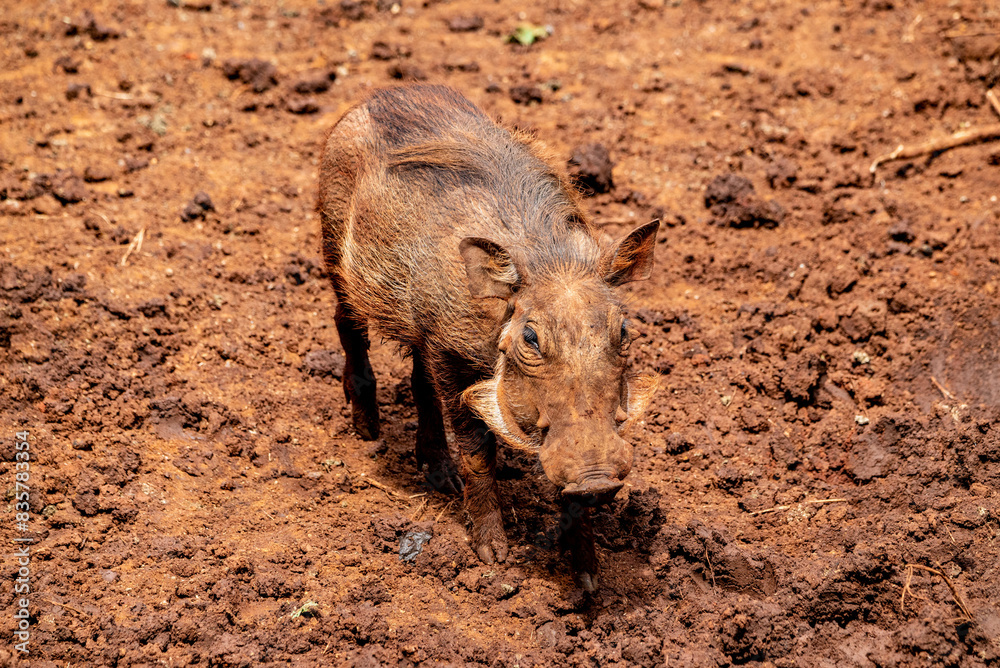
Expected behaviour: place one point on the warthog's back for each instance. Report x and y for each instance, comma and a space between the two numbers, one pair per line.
408, 174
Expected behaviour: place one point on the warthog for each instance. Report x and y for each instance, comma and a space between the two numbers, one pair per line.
457, 239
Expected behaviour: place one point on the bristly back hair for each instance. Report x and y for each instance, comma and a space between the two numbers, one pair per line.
531, 198
453, 145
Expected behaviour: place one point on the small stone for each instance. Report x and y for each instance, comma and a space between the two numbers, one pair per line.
382, 51
120, 235
96, 173
83, 444
302, 105
412, 544
204, 201
67, 64
470, 66
46, 205
406, 72
352, 10
861, 420
465, 23
192, 211
259, 74
135, 164
315, 82
902, 232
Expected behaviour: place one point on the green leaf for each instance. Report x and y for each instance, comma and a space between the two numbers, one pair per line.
308, 608
527, 34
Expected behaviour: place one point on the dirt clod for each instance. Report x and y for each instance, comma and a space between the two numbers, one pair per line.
67, 64
591, 166
314, 82
526, 94
302, 105
406, 72
259, 74
733, 203
469, 23
87, 24
76, 90
97, 173
197, 208
68, 188
324, 363
385, 51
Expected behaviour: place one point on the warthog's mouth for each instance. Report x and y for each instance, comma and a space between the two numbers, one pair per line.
593, 491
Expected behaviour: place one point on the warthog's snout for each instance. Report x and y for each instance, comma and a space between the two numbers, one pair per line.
593, 491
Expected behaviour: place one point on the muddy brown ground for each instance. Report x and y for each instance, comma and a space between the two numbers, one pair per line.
828, 341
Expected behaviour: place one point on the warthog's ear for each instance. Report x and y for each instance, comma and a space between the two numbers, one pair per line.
632, 258
490, 268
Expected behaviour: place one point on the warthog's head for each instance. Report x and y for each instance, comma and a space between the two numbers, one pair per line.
562, 385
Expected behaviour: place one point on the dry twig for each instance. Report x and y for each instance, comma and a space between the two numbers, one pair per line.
420, 509
144, 101
68, 607
959, 601
711, 570
942, 389
133, 247
934, 146
908, 34
992, 97
391, 493
814, 502
938, 145
906, 588
444, 508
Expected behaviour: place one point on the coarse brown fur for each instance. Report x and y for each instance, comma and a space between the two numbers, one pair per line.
457, 239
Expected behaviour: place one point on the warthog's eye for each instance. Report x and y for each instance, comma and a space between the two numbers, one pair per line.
531, 338
625, 338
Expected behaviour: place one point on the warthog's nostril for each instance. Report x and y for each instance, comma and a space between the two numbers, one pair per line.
593, 491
